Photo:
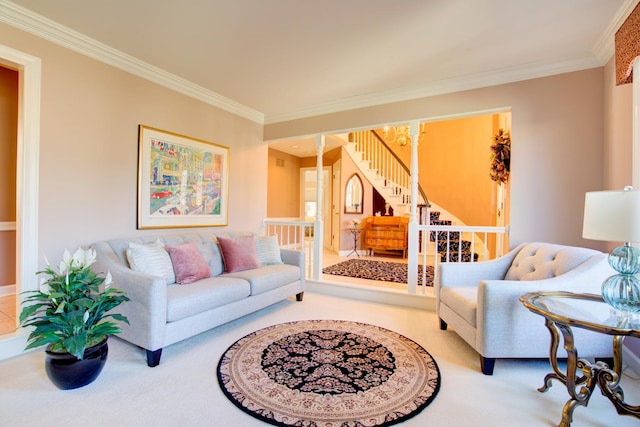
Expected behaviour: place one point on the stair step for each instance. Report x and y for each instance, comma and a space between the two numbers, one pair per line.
444, 235
454, 246
454, 257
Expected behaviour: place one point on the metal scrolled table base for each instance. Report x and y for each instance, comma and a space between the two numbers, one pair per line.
581, 388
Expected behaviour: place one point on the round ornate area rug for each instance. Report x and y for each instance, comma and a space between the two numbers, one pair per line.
328, 373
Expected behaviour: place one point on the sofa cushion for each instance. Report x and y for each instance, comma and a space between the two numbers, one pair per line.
267, 250
203, 295
152, 259
238, 254
539, 261
269, 277
188, 264
211, 252
462, 300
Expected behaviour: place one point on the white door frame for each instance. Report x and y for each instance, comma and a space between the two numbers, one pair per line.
336, 213
29, 76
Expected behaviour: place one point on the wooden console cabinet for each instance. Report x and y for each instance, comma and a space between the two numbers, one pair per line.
386, 233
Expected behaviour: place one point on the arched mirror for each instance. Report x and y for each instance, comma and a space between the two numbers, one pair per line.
353, 195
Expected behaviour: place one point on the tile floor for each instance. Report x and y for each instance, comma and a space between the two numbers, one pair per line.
7, 314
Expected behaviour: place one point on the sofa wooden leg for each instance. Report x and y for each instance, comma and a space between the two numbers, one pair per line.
153, 357
487, 364
299, 296
443, 325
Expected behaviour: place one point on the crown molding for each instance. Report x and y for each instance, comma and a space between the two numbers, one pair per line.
36, 24
442, 87
605, 47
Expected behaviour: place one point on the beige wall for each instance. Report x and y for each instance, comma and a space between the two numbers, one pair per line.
348, 168
453, 164
90, 114
618, 131
283, 185
557, 132
618, 125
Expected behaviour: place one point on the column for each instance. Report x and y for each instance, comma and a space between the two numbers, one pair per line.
318, 226
412, 261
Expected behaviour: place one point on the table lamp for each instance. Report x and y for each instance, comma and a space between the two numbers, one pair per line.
615, 216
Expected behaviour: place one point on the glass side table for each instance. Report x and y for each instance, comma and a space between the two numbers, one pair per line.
356, 232
565, 310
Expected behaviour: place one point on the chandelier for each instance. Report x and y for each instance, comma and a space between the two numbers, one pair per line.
397, 134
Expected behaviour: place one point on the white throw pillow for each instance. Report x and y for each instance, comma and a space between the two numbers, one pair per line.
267, 250
151, 259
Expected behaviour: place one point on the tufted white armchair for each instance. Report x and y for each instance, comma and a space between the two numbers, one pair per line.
480, 300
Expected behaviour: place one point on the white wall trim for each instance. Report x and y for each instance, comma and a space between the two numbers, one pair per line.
8, 226
605, 47
368, 293
441, 87
7, 290
28, 148
47, 29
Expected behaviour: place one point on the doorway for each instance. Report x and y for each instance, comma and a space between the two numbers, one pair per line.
8, 168
308, 197
26, 184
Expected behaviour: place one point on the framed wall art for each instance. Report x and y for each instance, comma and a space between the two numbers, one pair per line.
182, 181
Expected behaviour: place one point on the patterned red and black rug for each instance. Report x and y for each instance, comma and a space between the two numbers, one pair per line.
328, 373
385, 271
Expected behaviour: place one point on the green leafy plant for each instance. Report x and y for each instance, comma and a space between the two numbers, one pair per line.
70, 312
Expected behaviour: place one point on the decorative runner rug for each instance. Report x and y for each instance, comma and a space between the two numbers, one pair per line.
377, 270
322, 373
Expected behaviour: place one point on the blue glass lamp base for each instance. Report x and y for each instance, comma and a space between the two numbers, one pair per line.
622, 292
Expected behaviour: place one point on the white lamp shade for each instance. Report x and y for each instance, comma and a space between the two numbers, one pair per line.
612, 216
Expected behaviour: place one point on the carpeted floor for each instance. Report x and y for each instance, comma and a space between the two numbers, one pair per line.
184, 391
377, 270
328, 373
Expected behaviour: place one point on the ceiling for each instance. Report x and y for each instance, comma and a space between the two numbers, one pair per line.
276, 60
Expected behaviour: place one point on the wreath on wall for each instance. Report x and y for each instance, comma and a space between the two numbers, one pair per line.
500, 157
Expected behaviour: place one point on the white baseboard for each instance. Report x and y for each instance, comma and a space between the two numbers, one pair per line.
7, 290
383, 296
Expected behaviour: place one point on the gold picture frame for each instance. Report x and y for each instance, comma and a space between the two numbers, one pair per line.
182, 181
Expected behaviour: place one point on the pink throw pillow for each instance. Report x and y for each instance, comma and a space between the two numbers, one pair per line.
238, 254
188, 264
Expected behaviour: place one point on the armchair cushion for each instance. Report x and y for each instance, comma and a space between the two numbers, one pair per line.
540, 261
465, 300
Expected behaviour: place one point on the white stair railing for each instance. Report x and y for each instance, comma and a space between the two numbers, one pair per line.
293, 233
383, 170
484, 241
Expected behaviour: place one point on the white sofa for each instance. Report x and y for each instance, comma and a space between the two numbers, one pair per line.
480, 301
162, 313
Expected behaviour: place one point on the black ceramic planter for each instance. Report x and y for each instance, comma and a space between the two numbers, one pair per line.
68, 372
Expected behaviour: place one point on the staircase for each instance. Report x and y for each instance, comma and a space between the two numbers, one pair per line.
392, 179
384, 170
448, 243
